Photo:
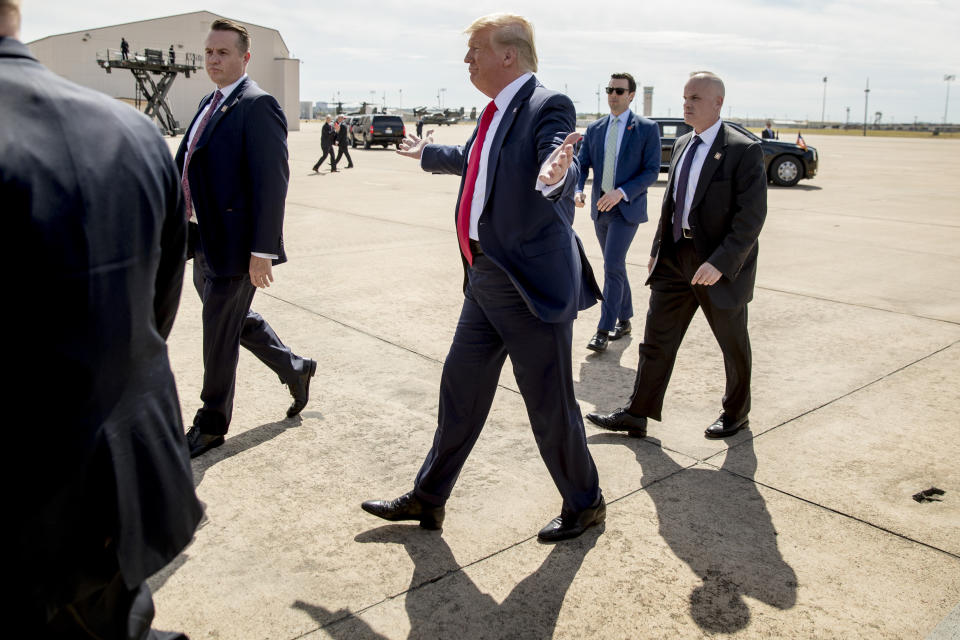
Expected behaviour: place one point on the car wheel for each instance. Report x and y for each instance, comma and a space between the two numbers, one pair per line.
786, 171
354, 143
398, 146
366, 143
386, 144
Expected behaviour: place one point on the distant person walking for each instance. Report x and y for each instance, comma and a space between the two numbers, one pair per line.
342, 143
420, 127
327, 138
172, 55
124, 48
768, 133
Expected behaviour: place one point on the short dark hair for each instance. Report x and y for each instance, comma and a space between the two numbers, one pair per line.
631, 83
243, 38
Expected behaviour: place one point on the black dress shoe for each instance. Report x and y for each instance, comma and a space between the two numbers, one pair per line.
571, 525
620, 420
200, 442
623, 328
406, 507
599, 341
725, 426
300, 388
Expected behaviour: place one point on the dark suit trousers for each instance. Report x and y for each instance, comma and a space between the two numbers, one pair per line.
615, 234
495, 322
229, 323
327, 151
673, 303
343, 150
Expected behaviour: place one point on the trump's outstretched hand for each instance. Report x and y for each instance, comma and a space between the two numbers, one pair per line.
555, 168
412, 146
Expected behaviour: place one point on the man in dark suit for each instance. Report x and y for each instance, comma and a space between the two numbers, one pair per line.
624, 151
768, 133
343, 144
101, 492
327, 139
525, 278
704, 255
234, 166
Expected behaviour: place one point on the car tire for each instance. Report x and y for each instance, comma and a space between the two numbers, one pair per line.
366, 143
786, 171
398, 146
354, 143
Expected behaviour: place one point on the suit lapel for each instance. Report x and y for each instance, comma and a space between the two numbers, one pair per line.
228, 103
675, 160
506, 121
625, 142
714, 158
600, 148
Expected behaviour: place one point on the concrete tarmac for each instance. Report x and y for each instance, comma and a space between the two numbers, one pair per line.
802, 526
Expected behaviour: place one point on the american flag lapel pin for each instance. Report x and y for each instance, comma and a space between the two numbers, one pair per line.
717, 155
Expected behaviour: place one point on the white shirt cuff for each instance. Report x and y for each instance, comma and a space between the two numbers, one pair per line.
264, 255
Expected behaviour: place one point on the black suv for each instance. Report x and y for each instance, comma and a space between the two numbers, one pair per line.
377, 128
785, 162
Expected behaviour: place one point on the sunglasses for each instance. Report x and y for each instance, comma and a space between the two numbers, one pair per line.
620, 90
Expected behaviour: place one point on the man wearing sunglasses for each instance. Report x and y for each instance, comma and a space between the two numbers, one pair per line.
624, 151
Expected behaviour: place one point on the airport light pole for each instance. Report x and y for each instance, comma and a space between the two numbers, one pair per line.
823, 112
441, 94
948, 79
866, 100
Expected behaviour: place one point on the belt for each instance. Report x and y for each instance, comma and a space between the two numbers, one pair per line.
687, 233
475, 248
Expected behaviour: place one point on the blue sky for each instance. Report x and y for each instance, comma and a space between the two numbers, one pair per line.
772, 55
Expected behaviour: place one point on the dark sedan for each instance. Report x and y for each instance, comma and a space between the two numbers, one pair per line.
786, 163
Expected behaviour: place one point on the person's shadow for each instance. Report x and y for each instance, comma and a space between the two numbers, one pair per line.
604, 382
716, 521
455, 606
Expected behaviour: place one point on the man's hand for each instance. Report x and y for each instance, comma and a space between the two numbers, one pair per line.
412, 146
579, 199
609, 200
555, 168
706, 275
261, 271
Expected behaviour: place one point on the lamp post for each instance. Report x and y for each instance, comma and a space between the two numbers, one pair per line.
866, 100
948, 79
823, 112
440, 96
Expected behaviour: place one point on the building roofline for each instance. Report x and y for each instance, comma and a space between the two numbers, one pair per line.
176, 15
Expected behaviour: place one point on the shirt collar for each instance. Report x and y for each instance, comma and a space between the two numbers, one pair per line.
622, 118
710, 133
227, 90
508, 92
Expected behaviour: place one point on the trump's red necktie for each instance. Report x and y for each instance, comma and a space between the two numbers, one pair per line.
470, 182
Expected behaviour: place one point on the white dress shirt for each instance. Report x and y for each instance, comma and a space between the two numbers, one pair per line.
699, 156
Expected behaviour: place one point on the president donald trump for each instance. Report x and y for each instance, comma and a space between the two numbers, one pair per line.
526, 277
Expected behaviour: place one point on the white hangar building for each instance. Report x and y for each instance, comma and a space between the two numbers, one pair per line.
74, 56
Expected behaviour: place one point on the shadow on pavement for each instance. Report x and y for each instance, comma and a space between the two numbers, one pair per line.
234, 445
456, 607
604, 383
718, 524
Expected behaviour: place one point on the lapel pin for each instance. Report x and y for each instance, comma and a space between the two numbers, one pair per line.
717, 155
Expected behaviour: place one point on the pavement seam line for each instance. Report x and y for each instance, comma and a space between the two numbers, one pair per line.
368, 334
838, 512
857, 304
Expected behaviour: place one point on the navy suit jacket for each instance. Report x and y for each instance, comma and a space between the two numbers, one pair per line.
727, 213
93, 199
638, 163
526, 234
238, 179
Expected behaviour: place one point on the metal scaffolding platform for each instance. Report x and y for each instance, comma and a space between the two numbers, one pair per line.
152, 62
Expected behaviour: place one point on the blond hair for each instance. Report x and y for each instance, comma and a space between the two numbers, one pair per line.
510, 30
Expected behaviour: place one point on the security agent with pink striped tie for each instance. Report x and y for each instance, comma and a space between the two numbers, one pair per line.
233, 163
525, 278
